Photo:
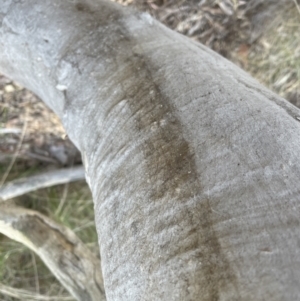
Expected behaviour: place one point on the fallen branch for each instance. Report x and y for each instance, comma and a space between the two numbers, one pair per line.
73, 264
43, 180
27, 295
10, 131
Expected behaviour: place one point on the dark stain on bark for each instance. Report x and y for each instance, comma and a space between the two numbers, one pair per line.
171, 174
171, 169
80, 7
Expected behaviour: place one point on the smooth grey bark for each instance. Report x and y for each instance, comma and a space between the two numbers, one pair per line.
21, 294
193, 165
50, 178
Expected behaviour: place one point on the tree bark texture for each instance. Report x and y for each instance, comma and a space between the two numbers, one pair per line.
43, 180
193, 165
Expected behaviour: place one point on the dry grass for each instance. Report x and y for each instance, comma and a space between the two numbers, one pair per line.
19, 267
261, 36
275, 59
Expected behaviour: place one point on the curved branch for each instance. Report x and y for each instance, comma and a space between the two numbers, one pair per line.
22, 294
66, 256
43, 180
193, 165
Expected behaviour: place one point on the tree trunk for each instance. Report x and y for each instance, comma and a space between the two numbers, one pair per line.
193, 165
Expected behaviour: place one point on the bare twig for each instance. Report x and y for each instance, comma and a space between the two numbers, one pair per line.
297, 5
27, 295
10, 131
43, 180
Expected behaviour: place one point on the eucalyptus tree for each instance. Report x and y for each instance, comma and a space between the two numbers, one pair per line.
193, 165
